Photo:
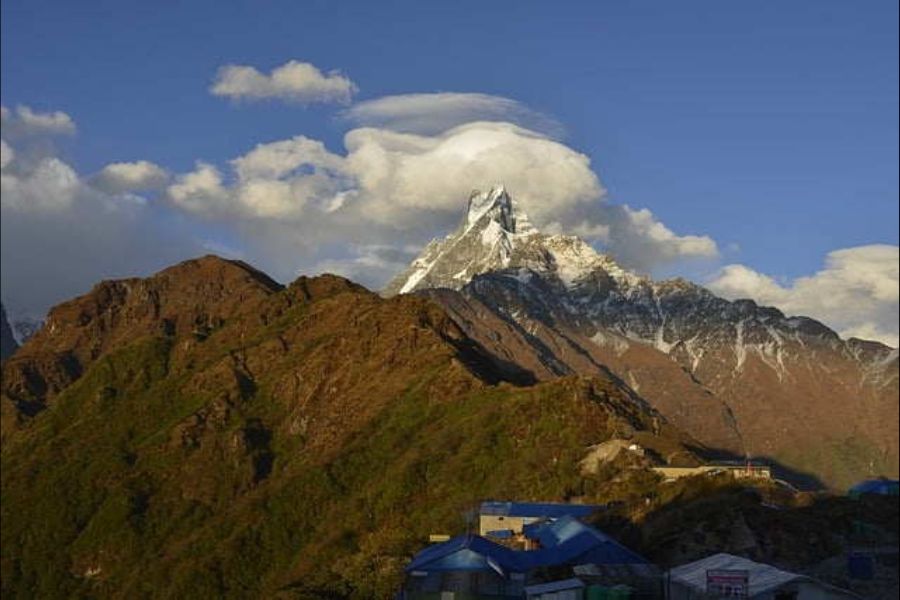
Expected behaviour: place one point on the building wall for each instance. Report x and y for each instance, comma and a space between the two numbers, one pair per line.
488, 523
672, 473
679, 472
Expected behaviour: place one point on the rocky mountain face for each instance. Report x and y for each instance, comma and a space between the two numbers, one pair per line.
8, 343
741, 377
208, 432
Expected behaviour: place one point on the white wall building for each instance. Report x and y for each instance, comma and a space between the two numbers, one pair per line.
689, 582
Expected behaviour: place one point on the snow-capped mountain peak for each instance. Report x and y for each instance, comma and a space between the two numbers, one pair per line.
497, 235
497, 206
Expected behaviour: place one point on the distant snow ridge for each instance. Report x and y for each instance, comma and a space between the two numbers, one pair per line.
497, 256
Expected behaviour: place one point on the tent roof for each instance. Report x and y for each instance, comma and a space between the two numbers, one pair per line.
763, 577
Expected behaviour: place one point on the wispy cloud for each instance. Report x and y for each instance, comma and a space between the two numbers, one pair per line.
430, 114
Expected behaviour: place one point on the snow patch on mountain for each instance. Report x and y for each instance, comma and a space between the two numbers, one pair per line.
497, 255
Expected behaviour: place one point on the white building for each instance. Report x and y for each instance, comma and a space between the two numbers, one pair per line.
689, 582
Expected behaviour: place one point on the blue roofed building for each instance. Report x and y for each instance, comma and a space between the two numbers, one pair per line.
495, 517
468, 566
568, 541
472, 566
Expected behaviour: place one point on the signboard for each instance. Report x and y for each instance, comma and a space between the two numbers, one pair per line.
727, 583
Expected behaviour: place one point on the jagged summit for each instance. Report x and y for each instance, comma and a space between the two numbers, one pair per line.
497, 206
496, 235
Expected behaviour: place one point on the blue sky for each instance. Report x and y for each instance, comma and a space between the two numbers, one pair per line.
770, 128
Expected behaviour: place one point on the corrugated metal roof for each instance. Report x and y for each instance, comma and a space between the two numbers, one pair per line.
536, 510
763, 578
568, 540
465, 553
563, 529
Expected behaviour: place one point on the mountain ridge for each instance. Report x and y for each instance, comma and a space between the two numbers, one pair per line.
742, 371
226, 436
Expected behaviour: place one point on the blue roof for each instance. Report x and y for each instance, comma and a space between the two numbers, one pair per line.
876, 486
550, 510
562, 530
471, 553
566, 541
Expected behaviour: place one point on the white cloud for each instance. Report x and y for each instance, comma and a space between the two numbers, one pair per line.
130, 177
640, 241
200, 191
403, 176
7, 154
278, 159
25, 122
50, 187
856, 292
293, 81
393, 182
430, 114
370, 265
61, 234
393, 188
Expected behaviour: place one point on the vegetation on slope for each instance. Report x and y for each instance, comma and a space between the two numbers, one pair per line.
301, 443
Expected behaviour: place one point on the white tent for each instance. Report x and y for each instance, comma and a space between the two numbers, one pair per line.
688, 582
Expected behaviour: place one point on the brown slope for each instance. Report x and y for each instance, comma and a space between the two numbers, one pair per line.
191, 297
822, 409
191, 301
278, 443
549, 351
